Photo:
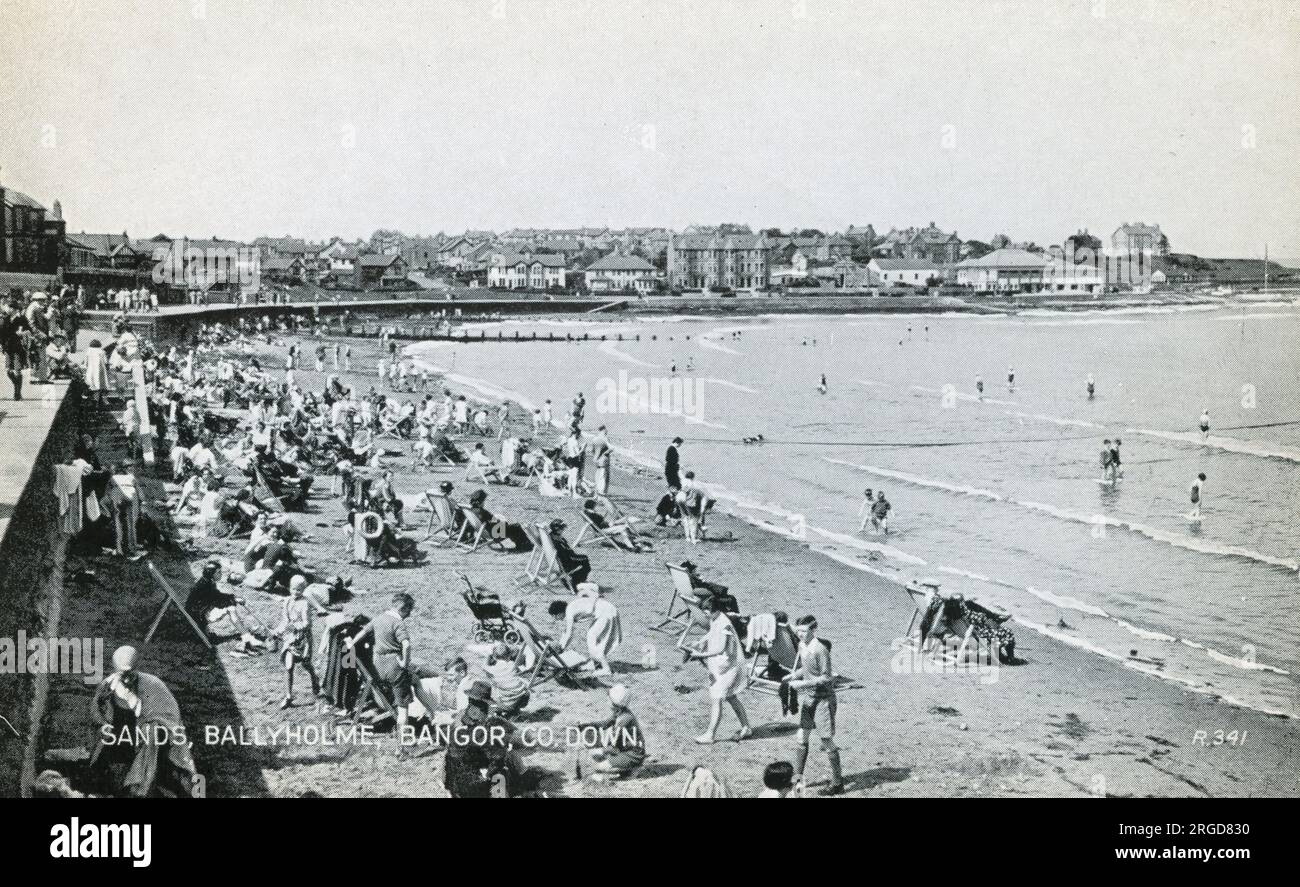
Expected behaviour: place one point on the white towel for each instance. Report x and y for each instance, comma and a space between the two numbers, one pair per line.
762, 628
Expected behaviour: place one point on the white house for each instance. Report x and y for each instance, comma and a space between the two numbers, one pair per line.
617, 272
526, 271
796, 270
1005, 270
909, 272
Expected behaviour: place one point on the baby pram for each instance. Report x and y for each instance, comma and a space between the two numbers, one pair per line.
491, 622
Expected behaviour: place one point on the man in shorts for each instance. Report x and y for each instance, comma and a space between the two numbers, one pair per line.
813, 676
393, 661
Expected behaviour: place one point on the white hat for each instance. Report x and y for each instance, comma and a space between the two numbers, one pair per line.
124, 658
620, 695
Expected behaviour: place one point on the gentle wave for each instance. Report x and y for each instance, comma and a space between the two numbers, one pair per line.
1188, 543
1263, 449
612, 349
973, 398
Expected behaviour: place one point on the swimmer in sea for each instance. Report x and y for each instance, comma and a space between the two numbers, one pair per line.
1092, 387
1205, 424
822, 385
979, 386
1011, 379
1197, 496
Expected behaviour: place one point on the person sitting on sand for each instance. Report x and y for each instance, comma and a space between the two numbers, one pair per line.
576, 566
209, 605
128, 701
480, 760
490, 470
498, 528
509, 688
620, 747
778, 780
619, 530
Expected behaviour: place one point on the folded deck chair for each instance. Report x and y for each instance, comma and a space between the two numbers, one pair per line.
549, 570
478, 533
549, 661
475, 473
442, 521
682, 606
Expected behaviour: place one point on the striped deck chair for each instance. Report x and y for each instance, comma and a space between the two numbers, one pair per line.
478, 532
442, 510
550, 570
549, 660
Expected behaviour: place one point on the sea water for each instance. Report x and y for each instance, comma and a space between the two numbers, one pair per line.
994, 496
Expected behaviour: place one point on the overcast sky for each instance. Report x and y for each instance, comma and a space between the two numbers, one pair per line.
1036, 118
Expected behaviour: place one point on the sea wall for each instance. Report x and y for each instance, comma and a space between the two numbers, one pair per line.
35, 434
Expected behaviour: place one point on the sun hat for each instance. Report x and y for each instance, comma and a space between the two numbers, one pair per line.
124, 658
480, 691
620, 695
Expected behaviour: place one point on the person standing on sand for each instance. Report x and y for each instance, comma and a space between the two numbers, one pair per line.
347, 358
335, 354
722, 654
672, 464
1198, 495
813, 675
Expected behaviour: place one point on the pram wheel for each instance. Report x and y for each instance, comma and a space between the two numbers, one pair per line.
512, 637
482, 636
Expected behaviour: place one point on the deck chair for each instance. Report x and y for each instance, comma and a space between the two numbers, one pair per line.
549, 570
549, 661
682, 606
442, 512
388, 427
781, 651
475, 473
536, 558
592, 534
263, 491
920, 594
172, 598
478, 532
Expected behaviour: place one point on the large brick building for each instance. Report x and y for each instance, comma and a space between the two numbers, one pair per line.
731, 260
31, 238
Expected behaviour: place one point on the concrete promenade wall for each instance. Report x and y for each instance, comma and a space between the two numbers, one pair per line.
35, 434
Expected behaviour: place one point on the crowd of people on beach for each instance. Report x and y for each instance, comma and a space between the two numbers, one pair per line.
210, 442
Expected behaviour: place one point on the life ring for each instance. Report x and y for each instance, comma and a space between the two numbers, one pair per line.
364, 523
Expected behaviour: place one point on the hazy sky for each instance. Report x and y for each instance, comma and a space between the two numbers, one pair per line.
243, 117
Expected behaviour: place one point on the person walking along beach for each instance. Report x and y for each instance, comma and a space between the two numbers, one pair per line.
722, 654
813, 675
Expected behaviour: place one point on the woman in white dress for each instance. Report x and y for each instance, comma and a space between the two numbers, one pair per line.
606, 630
722, 654
96, 371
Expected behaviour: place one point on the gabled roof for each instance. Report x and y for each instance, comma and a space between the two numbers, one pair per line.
18, 198
563, 244
616, 262
279, 263
105, 245
372, 260
1008, 257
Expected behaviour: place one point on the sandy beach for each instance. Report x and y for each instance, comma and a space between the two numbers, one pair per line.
1060, 723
